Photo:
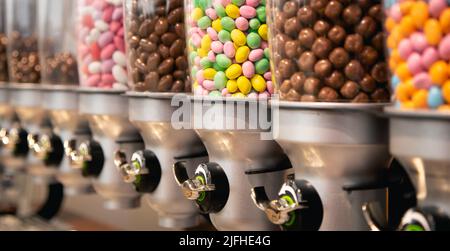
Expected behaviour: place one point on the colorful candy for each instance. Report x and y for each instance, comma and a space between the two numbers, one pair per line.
227, 41
419, 44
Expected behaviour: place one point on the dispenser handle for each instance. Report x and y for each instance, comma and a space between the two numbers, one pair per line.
180, 172
260, 198
374, 225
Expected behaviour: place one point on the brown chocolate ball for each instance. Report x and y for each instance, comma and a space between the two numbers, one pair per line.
369, 56
306, 38
318, 5
308, 98
297, 81
333, 10
285, 86
337, 34
290, 9
328, 94
367, 27
352, 14
293, 95
322, 47
380, 95
350, 90
292, 26
336, 80
354, 70
378, 41
380, 72
321, 27
323, 68
306, 15
292, 49
361, 98
307, 61
368, 84
354, 43
286, 68
339, 58
311, 86
280, 19
376, 11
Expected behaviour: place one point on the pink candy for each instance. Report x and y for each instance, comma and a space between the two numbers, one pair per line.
444, 48
256, 55
229, 50
253, 3
209, 85
429, 57
436, 7
396, 13
212, 33
419, 42
107, 66
405, 48
105, 39
217, 47
248, 69
422, 81
211, 56
211, 13
415, 63
242, 23
247, 11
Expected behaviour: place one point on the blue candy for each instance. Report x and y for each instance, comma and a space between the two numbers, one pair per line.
435, 98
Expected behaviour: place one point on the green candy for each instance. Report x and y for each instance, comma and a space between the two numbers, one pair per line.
262, 66
263, 2
238, 2
261, 13
267, 53
204, 22
220, 10
223, 61
192, 56
204, 4
197, 3
227, 23
194, 71
224, 36
215, 94
254, 24
253, 40
205, 63
220, 80
217, 67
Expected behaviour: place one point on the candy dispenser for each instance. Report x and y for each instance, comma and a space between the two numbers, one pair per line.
229, 70
228, 49
59, 77
103, 77
332, 81
157, 64
418, 44
5, 109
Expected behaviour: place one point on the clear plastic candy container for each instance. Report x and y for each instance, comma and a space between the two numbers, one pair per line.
419, 53
228, 48
101, 46
156, 46
22, 27
328, 50
57, 42
3, 43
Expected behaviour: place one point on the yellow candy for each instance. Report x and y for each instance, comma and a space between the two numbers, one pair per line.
244, 85
446, 91
407, 26
234, 71
259, 83
202, 53
197, 13
209, 73
238, 37
242, 54
232, 11
262, 31
433, 31
232, 86
408, 105
419, 12
238, 95
403, 72
206, 42
195, 85
439, 72
389, 24
406, 6
444, 20
420, 99
217, 26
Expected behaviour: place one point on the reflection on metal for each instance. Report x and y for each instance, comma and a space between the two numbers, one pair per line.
421, 189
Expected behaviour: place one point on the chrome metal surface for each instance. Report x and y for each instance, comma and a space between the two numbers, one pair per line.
107, 114
421, 142
247, 160
62, 103
152, 113
5, 107
337, 145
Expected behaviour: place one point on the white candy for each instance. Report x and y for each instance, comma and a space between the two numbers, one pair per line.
95, 34
119, 58
120, 74
86, 10
101, 25
95, 67
114, 2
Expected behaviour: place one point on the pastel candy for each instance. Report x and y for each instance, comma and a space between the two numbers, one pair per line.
436, 7
229, 50
248, 69
217, 47
242, 24
256, 55
419, 42
429, 57
247, 11
107, 66
120, 74
415, 63
444, 48
405, 48
422, 81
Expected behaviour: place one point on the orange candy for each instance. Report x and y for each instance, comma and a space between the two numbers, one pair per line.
389, 24
419, 11
403, 72
439, 72
408, 105
433, 31
407, 26
446, 91
420, 99
406, 6
444, 20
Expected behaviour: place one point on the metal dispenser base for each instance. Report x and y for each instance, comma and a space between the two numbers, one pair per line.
152, 113
107, 113
342, 150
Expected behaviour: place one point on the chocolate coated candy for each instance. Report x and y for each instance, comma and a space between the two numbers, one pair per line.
354, 70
